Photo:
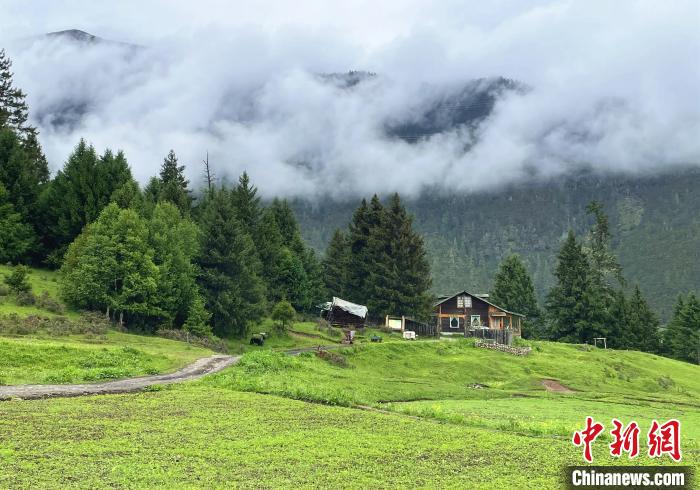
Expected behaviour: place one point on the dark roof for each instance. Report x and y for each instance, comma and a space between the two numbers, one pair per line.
445, 298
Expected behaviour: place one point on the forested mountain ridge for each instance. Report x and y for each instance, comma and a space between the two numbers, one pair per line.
655, 222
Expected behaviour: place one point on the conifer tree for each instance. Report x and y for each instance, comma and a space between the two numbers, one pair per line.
682, 336
16, 236
247, 204
14, 112
170, 185
336, 265
230, 268
513, 290
78, 194
358, 241
574, 308
644, 324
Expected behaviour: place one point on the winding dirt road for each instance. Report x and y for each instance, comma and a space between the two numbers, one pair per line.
197, 369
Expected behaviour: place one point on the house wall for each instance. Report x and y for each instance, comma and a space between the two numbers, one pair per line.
449, 308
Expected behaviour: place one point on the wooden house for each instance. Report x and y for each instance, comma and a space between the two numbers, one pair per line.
464, 313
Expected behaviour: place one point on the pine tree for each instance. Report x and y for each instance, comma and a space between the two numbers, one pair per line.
682, 336
643, 323
247, 204
269, 245
336, 265
513, 290
358, 241
574, 308
171, 185
229, 277
79, 193
16, 236
14, 112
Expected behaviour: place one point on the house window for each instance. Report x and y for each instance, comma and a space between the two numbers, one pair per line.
464, 301
454, 322
475, 320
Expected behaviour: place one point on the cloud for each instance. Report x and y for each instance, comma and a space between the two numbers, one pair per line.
613, 86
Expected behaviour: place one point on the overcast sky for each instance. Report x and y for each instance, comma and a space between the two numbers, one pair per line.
615, 85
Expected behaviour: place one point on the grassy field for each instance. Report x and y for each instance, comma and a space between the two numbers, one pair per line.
196, 436
80, 358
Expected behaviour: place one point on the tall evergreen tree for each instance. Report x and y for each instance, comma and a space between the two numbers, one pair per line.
358, 241
78, 194
336, 265
643, 323
16, 236
682, 336
574, 308
247, 204
513, 290
14, 112
229, 277
170, 185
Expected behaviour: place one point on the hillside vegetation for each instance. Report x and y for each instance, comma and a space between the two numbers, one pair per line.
655, 222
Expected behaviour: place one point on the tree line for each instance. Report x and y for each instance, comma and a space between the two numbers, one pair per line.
591, 299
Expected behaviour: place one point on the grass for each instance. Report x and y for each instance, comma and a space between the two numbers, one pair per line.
41, 280
195, 436
86, 358
410, 371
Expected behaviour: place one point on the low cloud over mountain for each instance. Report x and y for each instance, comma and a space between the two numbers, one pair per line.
506, 95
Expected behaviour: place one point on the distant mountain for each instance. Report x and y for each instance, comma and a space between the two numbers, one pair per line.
464, 105
78, 36
655, 222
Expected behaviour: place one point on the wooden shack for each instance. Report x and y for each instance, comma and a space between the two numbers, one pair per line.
342, 313
464, 313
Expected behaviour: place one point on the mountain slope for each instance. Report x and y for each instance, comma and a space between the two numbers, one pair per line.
655, 221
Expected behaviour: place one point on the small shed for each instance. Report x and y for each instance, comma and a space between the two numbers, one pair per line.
342, 313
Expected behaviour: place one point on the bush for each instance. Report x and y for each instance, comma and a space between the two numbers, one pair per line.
332, 357
4, 290
210, 342
88, 324
18, 280
48, 303
25, 298
284, 313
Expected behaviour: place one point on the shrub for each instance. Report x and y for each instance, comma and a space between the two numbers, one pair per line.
332, 357
283, 313
4, 290
25, 298
210, 341
18, 280
46, 302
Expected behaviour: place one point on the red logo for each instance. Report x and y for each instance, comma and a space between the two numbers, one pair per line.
665, 439
626, 440
587, 436
661, 439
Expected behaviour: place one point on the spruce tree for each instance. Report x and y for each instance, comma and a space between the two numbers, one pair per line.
681, 339
14, 112
170, 185
575, 310
358, 238
513, 290
643, 323
79, 193
336, 265
16, 237
229, 277
247, 204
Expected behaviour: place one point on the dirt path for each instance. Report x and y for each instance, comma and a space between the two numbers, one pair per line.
556, 386
197, 369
